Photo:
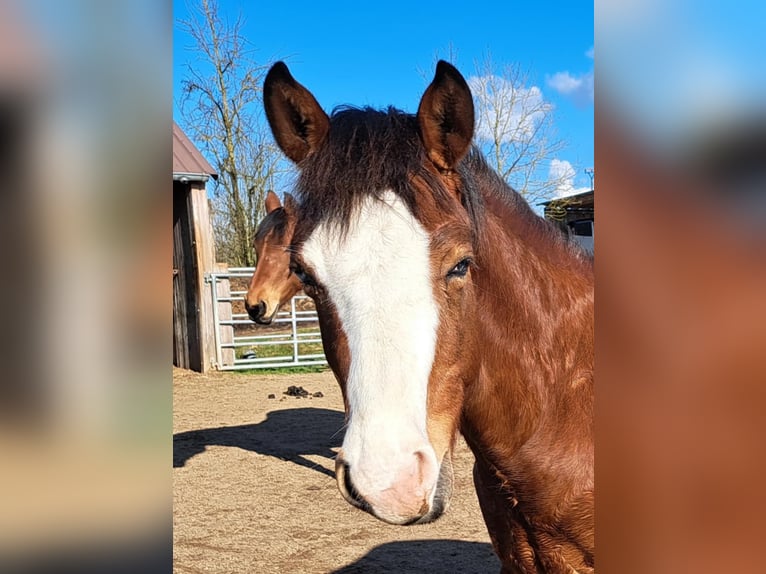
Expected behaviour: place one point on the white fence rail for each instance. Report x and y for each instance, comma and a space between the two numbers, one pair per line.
293, 339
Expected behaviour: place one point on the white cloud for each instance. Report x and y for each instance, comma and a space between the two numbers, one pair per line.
564, 82
562, 170
509, 111
579, 88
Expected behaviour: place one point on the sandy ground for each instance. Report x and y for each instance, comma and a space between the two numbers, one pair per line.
254, 488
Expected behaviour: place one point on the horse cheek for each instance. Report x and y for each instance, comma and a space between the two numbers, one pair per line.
452, 363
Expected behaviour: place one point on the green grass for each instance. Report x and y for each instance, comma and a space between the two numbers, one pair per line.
263, 351
282, 350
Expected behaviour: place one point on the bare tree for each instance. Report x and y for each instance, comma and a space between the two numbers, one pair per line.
515, 128
221, 110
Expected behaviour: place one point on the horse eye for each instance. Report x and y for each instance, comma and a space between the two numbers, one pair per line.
460, 269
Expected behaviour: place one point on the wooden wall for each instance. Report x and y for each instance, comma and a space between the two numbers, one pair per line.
193, 256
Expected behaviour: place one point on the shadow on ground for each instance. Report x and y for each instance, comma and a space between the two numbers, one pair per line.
288, 434
432, 556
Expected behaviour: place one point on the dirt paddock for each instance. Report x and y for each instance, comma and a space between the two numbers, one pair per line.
254, 488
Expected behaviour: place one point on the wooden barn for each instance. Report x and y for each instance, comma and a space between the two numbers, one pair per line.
193, 257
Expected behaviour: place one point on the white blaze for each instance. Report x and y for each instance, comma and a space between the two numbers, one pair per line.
378, 277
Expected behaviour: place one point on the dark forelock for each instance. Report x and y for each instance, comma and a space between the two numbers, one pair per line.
368, 151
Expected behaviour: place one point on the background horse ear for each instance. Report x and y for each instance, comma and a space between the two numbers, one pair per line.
272, 201
446, 116
297, 121
290, 204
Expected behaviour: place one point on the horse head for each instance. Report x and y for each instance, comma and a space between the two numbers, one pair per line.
385, 245
272, 284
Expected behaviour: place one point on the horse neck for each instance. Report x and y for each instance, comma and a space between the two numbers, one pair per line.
535, 306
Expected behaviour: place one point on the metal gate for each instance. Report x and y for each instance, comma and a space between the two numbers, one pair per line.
293, 339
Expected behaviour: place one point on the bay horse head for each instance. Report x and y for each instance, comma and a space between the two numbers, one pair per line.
384, 244
272, 284
445, 303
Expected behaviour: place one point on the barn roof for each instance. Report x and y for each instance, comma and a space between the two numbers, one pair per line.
188, 162
570, 207
584, 199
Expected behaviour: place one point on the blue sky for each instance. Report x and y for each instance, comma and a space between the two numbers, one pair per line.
384, 53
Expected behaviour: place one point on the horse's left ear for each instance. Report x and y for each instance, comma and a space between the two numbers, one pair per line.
272, 201
446, 116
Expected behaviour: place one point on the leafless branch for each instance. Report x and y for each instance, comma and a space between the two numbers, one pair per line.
221, 110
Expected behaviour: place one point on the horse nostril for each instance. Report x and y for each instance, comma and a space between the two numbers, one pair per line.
350, 490
347, 488
256, 312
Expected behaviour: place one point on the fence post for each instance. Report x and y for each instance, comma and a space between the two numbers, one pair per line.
212, 278
295, 330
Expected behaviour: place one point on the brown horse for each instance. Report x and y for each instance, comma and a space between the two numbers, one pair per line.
445, 305
272, 284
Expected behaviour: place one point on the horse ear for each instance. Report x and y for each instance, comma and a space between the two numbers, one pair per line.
446, 116
297, 121
272, 201
290, 204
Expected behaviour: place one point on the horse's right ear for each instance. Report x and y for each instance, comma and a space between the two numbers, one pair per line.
298, 123
272, 201
290, 204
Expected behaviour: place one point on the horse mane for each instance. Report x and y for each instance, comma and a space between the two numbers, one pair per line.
530, 225
375, 151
